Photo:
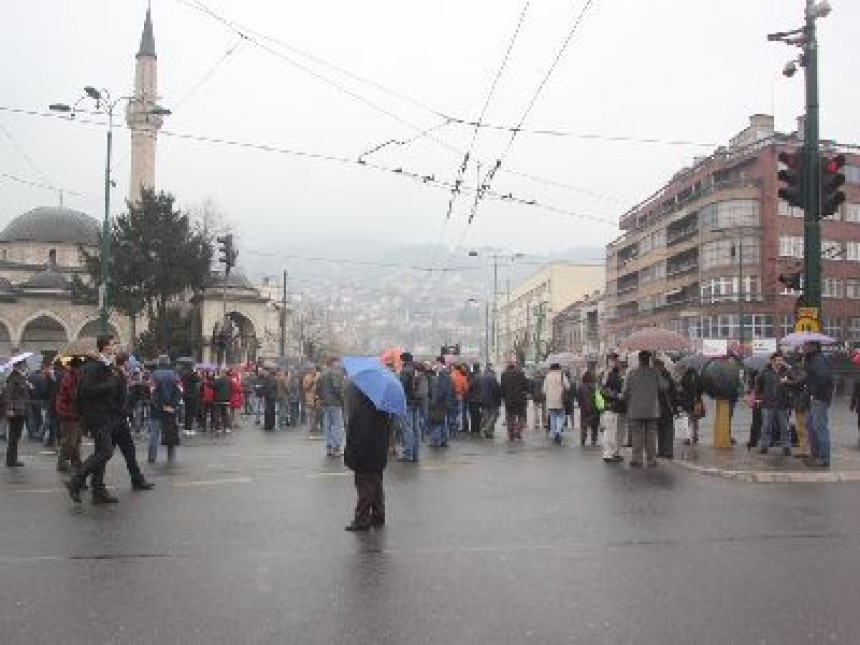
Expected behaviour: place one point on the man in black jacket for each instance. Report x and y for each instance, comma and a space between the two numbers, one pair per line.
819, 382
367, 436
491, 401
772, 390
411, 427
515, 391
99, 397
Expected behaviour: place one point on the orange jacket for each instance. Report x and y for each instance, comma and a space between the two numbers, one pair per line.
461, 383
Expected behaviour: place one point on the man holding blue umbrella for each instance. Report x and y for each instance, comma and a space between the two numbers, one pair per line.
372, 395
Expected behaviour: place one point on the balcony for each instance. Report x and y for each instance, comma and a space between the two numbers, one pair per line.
676, 236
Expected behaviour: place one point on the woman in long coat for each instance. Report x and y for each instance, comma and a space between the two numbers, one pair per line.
366, 454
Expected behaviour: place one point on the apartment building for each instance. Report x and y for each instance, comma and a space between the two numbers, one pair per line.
578, 328
702, 255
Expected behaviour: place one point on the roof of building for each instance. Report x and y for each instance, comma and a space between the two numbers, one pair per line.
52, 225
49, 279
5, 285
234, 281
147, 40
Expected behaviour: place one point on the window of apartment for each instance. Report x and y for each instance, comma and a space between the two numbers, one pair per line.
658, 239
793, 292
726, 289
645, 245
758, 325
852, 213
852, 251
727, 252
790, 246
832, 288
852, 174
730, 214
852, 289
854, 330
787, 325
832, 250
660, 270
832, 327
789, 211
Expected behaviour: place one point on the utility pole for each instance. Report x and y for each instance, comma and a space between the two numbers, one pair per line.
495, 332
487, 333
283, 350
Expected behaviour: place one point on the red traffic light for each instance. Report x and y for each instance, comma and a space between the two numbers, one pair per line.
835, 164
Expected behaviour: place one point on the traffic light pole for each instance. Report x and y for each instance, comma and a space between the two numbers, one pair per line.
812, 162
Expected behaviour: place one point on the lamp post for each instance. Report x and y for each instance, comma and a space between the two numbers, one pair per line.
105, 105
494, 332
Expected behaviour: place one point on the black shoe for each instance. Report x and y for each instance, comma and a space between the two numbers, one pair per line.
103, 496
74, 492
377, 522
142, 485
356, 527
15, 464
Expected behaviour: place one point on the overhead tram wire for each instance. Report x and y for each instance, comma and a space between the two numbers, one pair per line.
518, 128
428, 180
208, 74
38, 184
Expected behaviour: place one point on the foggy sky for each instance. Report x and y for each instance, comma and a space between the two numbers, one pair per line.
664, 69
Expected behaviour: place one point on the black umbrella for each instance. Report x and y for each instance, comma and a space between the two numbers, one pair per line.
696, 361
756, 362
721, 378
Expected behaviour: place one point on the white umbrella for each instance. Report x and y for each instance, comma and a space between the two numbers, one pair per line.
20, 357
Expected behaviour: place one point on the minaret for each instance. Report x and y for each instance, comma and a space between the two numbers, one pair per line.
144, 126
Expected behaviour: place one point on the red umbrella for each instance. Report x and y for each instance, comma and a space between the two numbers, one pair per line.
656, 340
856, 358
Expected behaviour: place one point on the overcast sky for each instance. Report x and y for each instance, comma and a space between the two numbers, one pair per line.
662, 69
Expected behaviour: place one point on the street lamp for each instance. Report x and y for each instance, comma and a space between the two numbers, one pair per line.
104, 105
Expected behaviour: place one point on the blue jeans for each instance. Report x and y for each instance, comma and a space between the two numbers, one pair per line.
556, 422
332, 418
819, 430
453, 420
769, 418
154, 437
411, 433
35, 419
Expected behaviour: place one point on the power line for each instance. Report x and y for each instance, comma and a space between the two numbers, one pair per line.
37, 184
208, 74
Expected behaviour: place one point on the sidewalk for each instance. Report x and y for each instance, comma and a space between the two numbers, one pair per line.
749, 466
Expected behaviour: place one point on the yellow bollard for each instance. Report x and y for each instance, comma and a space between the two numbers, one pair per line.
802, 437
722, 424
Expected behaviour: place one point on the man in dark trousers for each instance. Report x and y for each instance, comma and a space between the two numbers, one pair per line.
491, 402
367, 436
122, 438
515, 390
17, 400
99, 398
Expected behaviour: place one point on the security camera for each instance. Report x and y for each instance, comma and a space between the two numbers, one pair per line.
790, 69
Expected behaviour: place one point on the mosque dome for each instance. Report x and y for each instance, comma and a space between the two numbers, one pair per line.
52, 225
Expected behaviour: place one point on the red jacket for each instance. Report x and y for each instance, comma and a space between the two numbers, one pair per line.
208, 393
67, 405
235, 392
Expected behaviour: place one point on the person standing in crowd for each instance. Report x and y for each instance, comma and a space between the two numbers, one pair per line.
247, 393
411, 423
539, 405
422, 397
611, 386
165, 401
53, 374
294, 397
668, 403
553, 388
99, 392
207, 402
191, 399
70, 420
16, 399
642, 395
855, 405
569, 398
457, 407
36, 405
282, 392
772, 391
269, 387
330, 396
473, 400
691, 403
589, 415
367, 439
309, 389
221, 389
491, 401
235, 395
441, 391
515, 391
122, 438
819, 383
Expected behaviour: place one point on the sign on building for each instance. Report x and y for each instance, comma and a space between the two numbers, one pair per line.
764, 346
714, 347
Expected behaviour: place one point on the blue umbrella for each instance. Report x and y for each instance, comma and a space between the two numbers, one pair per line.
377, 382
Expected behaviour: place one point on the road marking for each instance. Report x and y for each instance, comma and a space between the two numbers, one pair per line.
213, 482
41, 490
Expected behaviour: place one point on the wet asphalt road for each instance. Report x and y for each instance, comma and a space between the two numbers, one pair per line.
242, 541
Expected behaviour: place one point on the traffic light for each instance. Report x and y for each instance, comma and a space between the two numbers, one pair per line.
832, 180
790, 280
227, 251
793, 189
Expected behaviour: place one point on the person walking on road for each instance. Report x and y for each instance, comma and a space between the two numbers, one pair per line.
330, 395
553, 389
309, 389
491, 401
668, 405
166, 397
473, 400
611, 386
515, 391
589, 415
411, 427
367, 439
191, 398
221, 403
690, 401
642, 395
122, 438
69, 455
819, 383
772, 391
99, 399
16, 397
441, 392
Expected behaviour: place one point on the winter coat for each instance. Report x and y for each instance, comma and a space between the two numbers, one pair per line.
770, 390
16, 394
537, 389
441, 394
99, 391
207, 392
461, 384
611, 386
515, 388
165, 390
491, 391
330, 388
309, 389
474, 396
554, 386
190, 386
585, 398
409, 378
422, 386
642, 393
367, 434
221, 389
235, 393
690, 392
67, 399
819, 381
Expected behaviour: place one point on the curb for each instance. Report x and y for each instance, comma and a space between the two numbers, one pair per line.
768, 477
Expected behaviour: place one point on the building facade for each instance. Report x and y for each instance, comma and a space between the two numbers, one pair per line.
577, 328
524, 323
703, 254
